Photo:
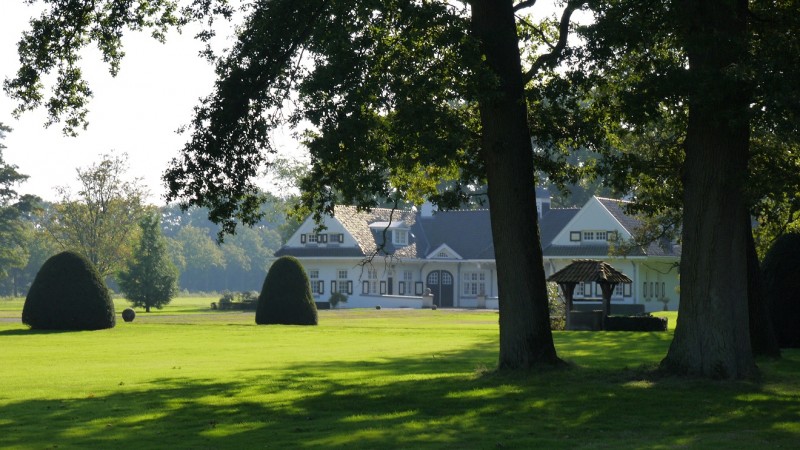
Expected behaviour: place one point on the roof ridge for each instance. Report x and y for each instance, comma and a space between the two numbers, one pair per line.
620, 200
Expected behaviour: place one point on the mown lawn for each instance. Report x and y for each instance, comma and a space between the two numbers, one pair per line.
181, 378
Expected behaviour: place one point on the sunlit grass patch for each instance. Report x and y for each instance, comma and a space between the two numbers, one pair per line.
368, 379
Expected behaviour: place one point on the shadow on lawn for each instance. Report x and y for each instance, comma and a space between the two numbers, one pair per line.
412, 403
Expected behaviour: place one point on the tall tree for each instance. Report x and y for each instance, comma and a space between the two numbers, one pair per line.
396, 92
149, 279
99, 222
684, 84
14, 230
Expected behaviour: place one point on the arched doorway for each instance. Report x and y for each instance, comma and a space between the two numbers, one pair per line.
440, 282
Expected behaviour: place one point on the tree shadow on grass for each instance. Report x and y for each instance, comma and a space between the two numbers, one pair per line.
436, 401
33, 331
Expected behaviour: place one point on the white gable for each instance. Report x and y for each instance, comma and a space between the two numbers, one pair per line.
593, 217
303, 236
444, 252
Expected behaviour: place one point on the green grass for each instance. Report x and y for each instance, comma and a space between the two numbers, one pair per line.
176, 378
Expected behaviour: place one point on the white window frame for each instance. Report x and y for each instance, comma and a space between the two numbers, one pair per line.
474, 284
313, 278
400, 237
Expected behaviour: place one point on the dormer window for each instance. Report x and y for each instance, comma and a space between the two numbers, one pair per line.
400, 237
397, 232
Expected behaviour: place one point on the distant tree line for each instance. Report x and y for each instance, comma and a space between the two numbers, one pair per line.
237, 264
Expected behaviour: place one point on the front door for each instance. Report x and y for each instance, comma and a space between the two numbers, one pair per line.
440, 282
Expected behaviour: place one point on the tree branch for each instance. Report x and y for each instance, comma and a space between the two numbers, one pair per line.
551, 58
522, 5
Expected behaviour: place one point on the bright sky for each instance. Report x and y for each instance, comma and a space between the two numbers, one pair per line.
136, 113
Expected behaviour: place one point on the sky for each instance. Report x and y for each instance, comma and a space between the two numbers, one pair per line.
136, 113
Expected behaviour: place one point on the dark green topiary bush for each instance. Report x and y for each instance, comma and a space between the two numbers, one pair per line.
128, 315
781, 276
286, 295
68, 294
635, 323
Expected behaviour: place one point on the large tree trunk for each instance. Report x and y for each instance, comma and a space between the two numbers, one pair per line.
763, 339
712, 336
525, 337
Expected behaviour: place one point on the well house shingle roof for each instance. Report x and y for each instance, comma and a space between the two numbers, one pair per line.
584, 270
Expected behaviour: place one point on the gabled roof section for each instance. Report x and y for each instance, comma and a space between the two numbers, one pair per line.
617, 209
466, 232
443, 249
553, 221
371, 240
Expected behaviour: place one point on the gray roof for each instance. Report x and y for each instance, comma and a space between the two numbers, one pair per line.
467, 232
322, 252
371, 241
617, 209
587, 251
553, 222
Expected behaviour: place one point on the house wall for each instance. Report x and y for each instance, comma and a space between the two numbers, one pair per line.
368, 283
592, 217
333, 226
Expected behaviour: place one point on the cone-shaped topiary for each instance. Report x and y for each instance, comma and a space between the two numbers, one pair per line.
286, 295
781, 276
68, 294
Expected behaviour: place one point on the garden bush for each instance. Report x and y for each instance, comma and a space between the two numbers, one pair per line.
336, 298
68, 294
781, 277
635, 323
128, 315
286, 295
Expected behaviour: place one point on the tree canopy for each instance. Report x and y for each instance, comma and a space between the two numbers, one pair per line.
14, 251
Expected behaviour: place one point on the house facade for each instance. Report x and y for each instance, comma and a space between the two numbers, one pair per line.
391, 258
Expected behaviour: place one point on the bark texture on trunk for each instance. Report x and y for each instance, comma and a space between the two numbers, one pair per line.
525, 337
712, 336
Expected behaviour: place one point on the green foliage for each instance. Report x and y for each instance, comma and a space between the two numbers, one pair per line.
68, 294
15, 232
336, 298
128, 314
286, 295
557, 306
781, 277
149, 279
247, 300
101, 220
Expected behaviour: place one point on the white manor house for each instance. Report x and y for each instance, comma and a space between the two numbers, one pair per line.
451, 253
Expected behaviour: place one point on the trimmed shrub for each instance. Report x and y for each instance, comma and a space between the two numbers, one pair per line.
336, 298
635, 323
781, 277
286, 296
68, 294
128, 315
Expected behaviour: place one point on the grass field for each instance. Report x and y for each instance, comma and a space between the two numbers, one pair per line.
185, 378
